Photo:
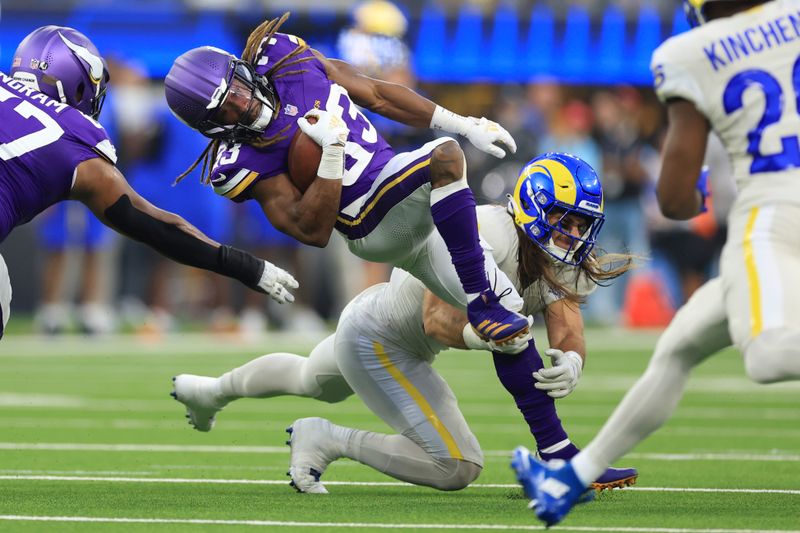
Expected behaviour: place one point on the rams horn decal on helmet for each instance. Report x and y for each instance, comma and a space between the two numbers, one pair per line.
558, 184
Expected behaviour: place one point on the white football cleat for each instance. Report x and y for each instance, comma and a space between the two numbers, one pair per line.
308, 438
197, 393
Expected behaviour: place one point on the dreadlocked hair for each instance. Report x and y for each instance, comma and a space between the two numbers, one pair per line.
207, 158
262, 34
536, 264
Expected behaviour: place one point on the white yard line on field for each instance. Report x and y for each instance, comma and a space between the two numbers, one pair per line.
179, 448
193, 343
201, 448
366, 525
187, 343
218, 481
727, 456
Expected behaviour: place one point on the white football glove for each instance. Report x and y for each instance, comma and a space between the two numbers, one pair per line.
483, 133
275, 281
514, 346
562, 378
328, 130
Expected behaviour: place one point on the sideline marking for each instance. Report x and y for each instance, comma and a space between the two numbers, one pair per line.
219, 481
278, 523
201, 448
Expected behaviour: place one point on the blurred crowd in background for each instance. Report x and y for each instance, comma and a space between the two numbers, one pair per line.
82, 277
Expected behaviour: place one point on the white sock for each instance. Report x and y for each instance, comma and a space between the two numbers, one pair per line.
586, 469
557, 446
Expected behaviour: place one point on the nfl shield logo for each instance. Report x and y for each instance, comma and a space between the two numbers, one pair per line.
291, 110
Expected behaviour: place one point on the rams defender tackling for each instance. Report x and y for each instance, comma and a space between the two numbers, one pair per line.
389, 335
736, 73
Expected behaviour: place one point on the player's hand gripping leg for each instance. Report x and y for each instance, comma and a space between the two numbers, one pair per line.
493, 322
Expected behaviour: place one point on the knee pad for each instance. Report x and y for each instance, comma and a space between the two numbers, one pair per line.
456, 474
773, 356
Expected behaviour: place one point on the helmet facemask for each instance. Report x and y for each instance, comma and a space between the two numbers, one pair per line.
579, 245
248, 88
541, 231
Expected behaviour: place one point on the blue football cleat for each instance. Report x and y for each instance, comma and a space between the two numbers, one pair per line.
616, 478
493, 322
553, 490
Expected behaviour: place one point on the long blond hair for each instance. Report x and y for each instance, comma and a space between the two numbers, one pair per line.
258, 37
535, 264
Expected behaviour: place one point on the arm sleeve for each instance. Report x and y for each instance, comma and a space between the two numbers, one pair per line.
178, 245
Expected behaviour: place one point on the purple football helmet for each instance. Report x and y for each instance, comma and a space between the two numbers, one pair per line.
63, 64
199, 83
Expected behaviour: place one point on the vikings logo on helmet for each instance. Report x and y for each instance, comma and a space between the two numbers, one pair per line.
63, 63
558, 184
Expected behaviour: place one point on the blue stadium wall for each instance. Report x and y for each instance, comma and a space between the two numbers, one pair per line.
466, 46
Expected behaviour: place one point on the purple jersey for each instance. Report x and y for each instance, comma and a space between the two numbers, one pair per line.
41, 143
239, 166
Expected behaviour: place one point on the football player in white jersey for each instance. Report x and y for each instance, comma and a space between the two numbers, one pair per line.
389, 335
736, 73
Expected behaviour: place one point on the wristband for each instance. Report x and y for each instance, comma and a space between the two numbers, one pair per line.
331, 164
240, 265
448, 121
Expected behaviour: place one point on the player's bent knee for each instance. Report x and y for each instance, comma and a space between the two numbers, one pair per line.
773, 356
447, 164
458, 474
334, 390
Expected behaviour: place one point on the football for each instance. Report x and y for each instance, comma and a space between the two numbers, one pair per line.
304, 158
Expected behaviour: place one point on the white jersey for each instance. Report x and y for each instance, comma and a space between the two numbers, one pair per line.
739, 71
394, 309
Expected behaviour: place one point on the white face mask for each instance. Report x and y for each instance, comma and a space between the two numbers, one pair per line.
265, 117
559, 251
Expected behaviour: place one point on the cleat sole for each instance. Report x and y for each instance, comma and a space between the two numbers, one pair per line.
619, 484
504, 340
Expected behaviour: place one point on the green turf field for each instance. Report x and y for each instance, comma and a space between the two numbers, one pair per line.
91, 441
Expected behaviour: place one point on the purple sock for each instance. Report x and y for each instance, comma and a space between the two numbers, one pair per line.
538, 409
455, 218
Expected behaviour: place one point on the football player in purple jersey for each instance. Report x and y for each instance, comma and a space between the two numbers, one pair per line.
52, 149
384, 204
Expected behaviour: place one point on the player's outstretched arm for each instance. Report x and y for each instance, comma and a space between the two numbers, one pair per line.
402, 104
450, 326
105, 191
564, 324
683, 153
